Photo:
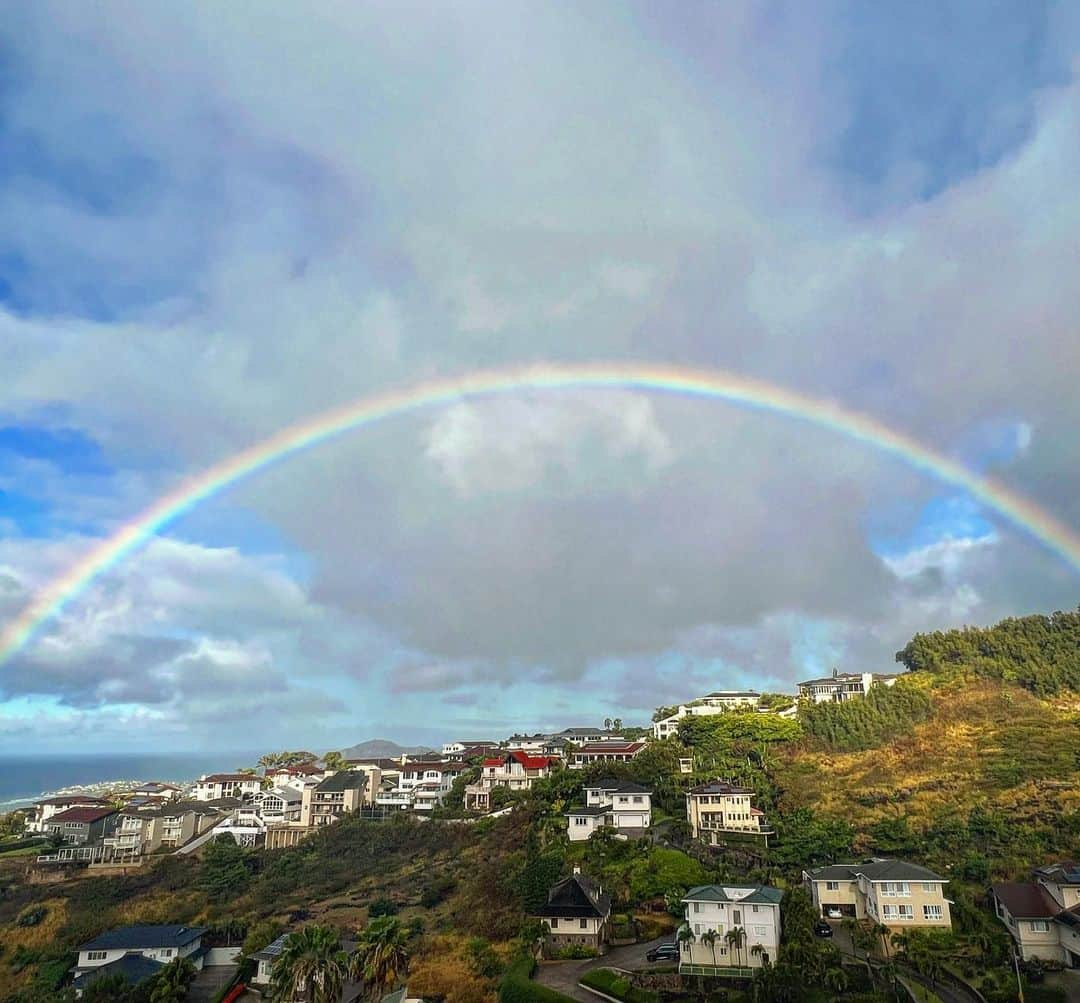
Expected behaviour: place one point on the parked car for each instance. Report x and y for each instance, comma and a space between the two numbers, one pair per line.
835, 914
663, 952
822, 929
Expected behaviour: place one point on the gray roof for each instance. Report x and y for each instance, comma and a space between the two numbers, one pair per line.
346, 780
732, 693
616, 786
143, 936
596, 809
1064, 872
877, 869
720, 787
273, 949
848, 677
576, 896
718, 893
134, 967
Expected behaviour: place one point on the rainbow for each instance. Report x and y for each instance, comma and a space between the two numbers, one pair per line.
651, 378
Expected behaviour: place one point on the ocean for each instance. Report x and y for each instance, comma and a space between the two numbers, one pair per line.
26, 779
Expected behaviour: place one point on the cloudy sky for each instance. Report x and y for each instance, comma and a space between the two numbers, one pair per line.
216, 220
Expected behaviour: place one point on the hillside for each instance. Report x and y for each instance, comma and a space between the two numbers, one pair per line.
382, 748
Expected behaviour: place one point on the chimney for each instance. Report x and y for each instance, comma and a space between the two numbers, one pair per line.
577, 869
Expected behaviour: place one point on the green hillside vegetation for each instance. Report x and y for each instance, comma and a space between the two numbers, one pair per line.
885, 713
1039, 653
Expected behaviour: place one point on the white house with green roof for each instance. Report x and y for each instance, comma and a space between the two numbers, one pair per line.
730, 930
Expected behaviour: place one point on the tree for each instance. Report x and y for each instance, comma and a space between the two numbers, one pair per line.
334, 761
709, 938
224, 869
107, 989
262, 933
171, 983
835, 979
380, 959
616, 723
735, 938
312, 963
685, 937
607, 724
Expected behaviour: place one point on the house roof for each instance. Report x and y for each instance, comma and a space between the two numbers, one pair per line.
731, 693
616, 786
73, 799
297, 770
591, 748
527, 761
273, 949
576, 896
134, 967
156, 787
228, 778
380, 761
397, 996
735, 893
876, 869
84, 815
720, 787
346, 780
1025, 901
142, 936
848, 677
1064, 872
288, 794
1069, 917
594, 809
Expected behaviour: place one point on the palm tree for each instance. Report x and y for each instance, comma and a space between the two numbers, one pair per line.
616, 723
881, 931
312, 962
735, 938
607, 724
835, 979
685, 937
380, 958
171, 983
709, 938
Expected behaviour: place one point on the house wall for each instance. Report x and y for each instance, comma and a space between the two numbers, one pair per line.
586, 932
1066, 895
581, 827
845, 895
95, 959
760, 923
917, 895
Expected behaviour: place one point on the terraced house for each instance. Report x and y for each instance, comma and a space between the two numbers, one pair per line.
895, 893
729, 929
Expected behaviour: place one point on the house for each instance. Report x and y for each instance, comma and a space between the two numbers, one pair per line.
330, 798
147, 829
44, 810
154, 791
841, 686
605, 752
157, 944
581, 736
278, 804
712, 703
135, 969
228, 785
734, 928
295, 776
893, 893
515, 770
536, 745
421, 785
457, 750
80, 826
617, 804
577, 913
264, 961
719, 812
1044, 918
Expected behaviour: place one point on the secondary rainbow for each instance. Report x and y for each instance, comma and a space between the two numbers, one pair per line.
651, 378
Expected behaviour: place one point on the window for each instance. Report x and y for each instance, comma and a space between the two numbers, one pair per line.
929, 887
832, 886
554, 924
760, 931
898, 912
736, 917
96, 955
932, 912
167, 953
753, 908
697, 907
1040, 926
584, 924
638, 799
895, 889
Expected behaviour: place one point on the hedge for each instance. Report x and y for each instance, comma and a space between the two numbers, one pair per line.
614, 984
517, 985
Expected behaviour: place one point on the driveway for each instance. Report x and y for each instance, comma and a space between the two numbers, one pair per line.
208, 983
565, 975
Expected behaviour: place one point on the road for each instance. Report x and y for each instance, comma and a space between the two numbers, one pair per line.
565, 975
208, 983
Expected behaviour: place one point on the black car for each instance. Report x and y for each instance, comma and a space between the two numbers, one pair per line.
663, 952
822, 929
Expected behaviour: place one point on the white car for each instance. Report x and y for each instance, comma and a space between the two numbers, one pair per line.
835, 914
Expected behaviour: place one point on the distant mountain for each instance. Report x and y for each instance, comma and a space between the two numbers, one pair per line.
382, 748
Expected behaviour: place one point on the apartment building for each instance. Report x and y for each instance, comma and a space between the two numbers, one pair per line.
719, 812
617, 804
735, 928
712, 703
1043, 918
894, 893
841, 686
515, 770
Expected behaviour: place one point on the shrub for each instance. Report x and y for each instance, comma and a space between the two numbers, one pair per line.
382, 907
574, 952
517, 985
618, 986
32, 917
